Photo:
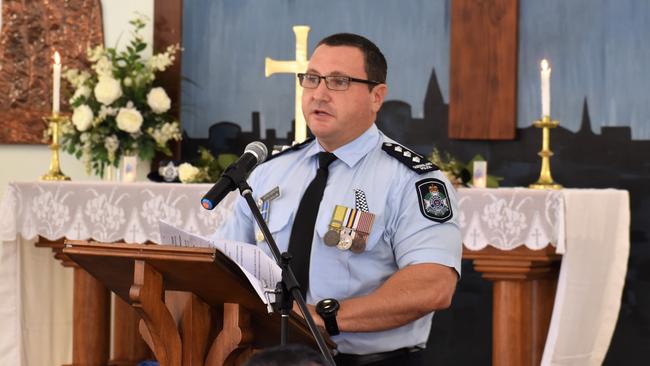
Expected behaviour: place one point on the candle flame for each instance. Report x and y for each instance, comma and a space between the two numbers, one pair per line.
57, 58
544, 65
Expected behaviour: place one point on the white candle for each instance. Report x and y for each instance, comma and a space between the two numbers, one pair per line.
546, 89
56, 84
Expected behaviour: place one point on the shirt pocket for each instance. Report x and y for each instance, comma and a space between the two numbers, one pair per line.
279, 225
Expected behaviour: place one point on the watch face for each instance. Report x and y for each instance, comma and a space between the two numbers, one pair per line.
327, 310
328, 306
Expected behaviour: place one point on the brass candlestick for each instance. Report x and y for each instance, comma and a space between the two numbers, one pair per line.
54, 123
545, 180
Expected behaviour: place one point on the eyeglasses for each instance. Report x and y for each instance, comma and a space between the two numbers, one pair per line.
333, 82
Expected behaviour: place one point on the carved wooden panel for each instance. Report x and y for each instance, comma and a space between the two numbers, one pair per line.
483, 69
31, 32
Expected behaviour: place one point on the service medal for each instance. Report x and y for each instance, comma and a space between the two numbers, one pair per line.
345, 241
359, 243
363, 228
350, 221
332, 236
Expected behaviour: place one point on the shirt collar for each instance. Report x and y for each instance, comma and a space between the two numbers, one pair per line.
354, 150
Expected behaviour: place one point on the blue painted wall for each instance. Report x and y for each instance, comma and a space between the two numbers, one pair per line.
226, 42
598, 49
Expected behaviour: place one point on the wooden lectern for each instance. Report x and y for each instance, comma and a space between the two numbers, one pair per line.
222, 320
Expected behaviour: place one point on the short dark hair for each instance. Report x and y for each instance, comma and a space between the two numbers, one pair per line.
375, 62
288, 355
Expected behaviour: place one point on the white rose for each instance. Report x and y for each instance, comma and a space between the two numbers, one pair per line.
158, 100
107, 90
82, 117
95, 53
187, 172
129, 120
82, 91
103, 67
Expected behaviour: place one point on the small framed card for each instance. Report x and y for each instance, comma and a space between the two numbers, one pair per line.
129, 168
479, 176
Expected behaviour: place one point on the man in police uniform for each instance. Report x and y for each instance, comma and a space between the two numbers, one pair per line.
383, 249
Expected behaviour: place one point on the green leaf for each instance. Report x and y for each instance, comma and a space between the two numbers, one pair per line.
225, 160
493, 181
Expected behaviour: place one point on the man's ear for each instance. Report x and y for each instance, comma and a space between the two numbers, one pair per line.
377, 95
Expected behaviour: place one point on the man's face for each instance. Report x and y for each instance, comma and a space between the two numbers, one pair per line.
337, 117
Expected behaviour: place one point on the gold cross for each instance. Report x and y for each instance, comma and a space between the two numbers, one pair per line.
296, 66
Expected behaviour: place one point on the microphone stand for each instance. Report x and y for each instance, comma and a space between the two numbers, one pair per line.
288, 289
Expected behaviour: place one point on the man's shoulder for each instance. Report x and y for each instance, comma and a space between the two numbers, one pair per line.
408, 158
286, 151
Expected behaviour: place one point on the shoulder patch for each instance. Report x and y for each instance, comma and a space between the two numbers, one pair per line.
410, 158
433, 199
280, 150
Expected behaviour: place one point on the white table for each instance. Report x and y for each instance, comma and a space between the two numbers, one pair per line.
590, 228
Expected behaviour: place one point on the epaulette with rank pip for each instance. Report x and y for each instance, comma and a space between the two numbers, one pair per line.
410, 158
286, 149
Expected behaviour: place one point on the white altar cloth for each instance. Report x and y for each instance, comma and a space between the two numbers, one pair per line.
589, 227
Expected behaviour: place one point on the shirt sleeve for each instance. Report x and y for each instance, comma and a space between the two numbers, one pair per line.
239, 225
417, 238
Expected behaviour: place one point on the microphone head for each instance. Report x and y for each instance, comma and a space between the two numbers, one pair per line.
258, 149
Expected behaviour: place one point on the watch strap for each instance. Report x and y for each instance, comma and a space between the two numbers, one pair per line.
331, 325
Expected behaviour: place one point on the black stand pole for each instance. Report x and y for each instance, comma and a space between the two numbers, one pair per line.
289, 290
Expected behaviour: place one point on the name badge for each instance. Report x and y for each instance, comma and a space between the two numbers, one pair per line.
264, 204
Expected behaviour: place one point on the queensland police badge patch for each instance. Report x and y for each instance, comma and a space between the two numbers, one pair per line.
434, 199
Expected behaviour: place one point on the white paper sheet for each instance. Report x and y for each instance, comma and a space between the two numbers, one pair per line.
262, 272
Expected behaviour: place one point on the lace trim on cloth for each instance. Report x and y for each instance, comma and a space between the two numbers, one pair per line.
106, 212
504, 218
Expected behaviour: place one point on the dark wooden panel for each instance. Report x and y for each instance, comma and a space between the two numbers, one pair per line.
483, 90
168, 30
168, 27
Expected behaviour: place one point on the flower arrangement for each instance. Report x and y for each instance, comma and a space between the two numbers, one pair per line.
459, 173
117, 110
206, 169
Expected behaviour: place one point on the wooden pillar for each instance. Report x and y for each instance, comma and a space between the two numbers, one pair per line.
523, 296
128, 346
91, 318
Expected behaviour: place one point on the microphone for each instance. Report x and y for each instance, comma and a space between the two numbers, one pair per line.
254, 154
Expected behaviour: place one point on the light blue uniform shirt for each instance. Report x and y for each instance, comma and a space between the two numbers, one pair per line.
401, 235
